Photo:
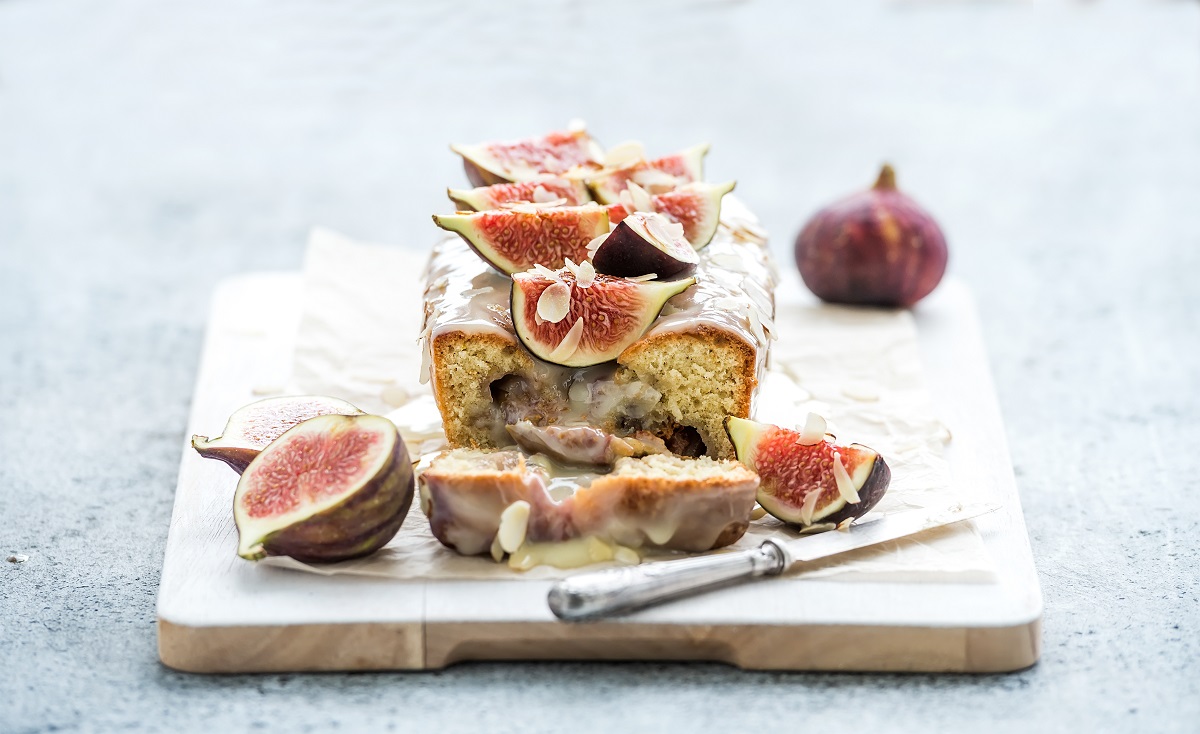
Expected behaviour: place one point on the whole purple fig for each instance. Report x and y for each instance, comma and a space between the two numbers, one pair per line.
877, 247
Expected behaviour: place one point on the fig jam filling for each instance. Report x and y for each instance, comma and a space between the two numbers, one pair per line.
579, 414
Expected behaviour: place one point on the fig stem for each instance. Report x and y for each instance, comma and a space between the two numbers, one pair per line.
887, 178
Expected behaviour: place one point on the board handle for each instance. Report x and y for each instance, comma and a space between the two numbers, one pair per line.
601, 593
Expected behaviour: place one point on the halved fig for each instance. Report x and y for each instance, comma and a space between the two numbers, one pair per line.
253, 426
332, 488
538, 191
645, 243
530, 158
808, 478
697, 206
576, 322
515, 239
656, 177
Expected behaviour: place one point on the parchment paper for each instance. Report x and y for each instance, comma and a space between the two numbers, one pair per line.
860, 368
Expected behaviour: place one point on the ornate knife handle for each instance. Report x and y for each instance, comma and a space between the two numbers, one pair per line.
601, 593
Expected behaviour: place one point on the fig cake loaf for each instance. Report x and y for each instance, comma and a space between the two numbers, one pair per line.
700, 360
605, 313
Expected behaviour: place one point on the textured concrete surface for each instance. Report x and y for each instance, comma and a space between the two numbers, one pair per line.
148, 150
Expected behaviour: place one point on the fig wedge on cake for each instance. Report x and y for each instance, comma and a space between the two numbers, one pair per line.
579, 319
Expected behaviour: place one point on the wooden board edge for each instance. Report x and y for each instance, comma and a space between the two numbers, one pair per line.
830, 648
291, 648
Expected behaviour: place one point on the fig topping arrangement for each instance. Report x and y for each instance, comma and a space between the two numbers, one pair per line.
645, 243
600, 321
331, 488
877, 247
252, 427
805, 481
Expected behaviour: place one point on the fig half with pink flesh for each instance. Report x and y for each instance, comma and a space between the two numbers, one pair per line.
697, 206
538, 191
332, 488
576, 321
806, 480
656, 177
529, 158
515, 239
645, 243
253, 426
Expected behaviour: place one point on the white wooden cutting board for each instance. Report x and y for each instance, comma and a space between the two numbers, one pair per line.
218, 613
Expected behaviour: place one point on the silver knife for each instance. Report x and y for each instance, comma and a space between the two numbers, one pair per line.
614, 590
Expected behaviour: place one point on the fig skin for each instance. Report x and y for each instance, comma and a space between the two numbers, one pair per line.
877, 247
362, 522
252, 427
632, 250
746, 436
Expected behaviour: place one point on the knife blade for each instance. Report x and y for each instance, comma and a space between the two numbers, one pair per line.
611, 591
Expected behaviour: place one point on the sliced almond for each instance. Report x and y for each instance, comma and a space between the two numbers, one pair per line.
514, 522
555, 302
624, 154
545, 272
643, 278
626, 556
813, 431
658, 227
654, 180
641, 200
569, 343
845, 485
595, 245
810, 506
586, 275
625, 199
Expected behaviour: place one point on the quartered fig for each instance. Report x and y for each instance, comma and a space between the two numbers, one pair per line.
804, 476
655, 177
585, 323
515, 239
252, 427
645, 243
332, 488
539, 191
697, 206
530, 158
